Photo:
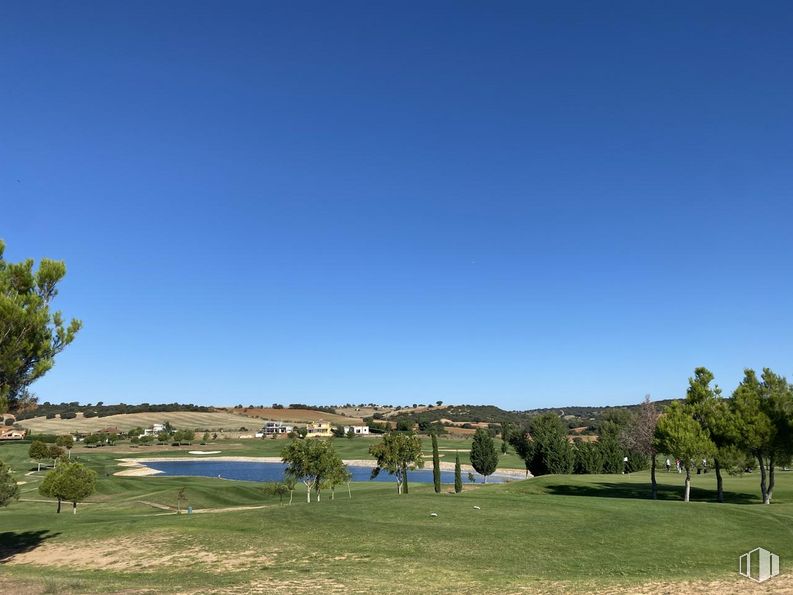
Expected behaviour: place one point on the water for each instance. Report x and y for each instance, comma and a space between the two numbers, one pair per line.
262, 471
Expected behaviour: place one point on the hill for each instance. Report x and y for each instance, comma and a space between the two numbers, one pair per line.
294, 415
584, 419
193, 420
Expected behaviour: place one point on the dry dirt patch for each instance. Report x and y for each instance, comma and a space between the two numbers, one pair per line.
148, 553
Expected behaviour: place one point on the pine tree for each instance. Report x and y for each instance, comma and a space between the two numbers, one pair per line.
436, 465
484, 456
458, 475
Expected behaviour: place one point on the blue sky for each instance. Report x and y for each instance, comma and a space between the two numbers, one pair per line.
521, 204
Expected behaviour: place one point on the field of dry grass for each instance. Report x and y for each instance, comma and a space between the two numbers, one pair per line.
196, 420
295, 415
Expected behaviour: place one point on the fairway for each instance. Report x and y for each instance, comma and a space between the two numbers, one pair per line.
549, 534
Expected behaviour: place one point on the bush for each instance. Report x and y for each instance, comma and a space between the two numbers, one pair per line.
588, 458
47, 438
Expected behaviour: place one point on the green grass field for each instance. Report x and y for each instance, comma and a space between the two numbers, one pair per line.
550, 534
348, 449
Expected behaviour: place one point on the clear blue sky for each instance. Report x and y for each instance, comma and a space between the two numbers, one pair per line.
525, 204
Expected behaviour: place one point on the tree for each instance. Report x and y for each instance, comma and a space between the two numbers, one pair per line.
523, 446
678, 434
484, 456
439, 403
66, 441
763, 415
9, 490
332, 470
181, 499
70, 482
30, 335
55, 452
312, 462
337, 475
714, 415
277, 489
458, 475
505, 432
396, 453
38, 451
436, 465
639, 436
546, 449
587, 457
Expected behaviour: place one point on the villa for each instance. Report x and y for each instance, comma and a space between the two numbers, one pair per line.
154, 430
319, 429
274, 428
11, 434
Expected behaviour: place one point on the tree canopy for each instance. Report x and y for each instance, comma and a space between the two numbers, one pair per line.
70, 482
484, 456
9, 490
679, 435
396, 453
314, 462
30, 334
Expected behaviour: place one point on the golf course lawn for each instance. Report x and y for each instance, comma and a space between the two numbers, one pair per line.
549, 534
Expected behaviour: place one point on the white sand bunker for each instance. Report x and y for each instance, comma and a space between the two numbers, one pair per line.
204, 452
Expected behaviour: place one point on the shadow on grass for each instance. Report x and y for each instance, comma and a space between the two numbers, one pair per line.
13, 542
605, 489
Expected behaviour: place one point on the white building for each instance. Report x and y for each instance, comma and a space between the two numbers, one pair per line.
154, 430
274, 428
357, 430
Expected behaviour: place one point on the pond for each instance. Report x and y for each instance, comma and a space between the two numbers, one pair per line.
265, 471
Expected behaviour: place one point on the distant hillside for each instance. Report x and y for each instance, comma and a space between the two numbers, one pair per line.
71, 410
187, 420
583, 418
294, 415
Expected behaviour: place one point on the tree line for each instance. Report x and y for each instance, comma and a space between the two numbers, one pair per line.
752, 429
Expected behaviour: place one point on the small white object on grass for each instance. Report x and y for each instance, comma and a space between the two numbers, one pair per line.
433, 514
477, 508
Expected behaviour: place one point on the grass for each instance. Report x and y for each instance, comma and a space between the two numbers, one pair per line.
573, 533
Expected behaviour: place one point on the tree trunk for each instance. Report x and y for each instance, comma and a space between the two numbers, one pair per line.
319, 498
59, 506
763, 491
39, 462
308, 493
771, 480
291, 492
349, 493
719, 481
74, 507
332, 494
653, 482
688, 484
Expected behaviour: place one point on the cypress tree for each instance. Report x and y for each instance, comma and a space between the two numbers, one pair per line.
484, 456
436, 465
404, 479
458, 475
